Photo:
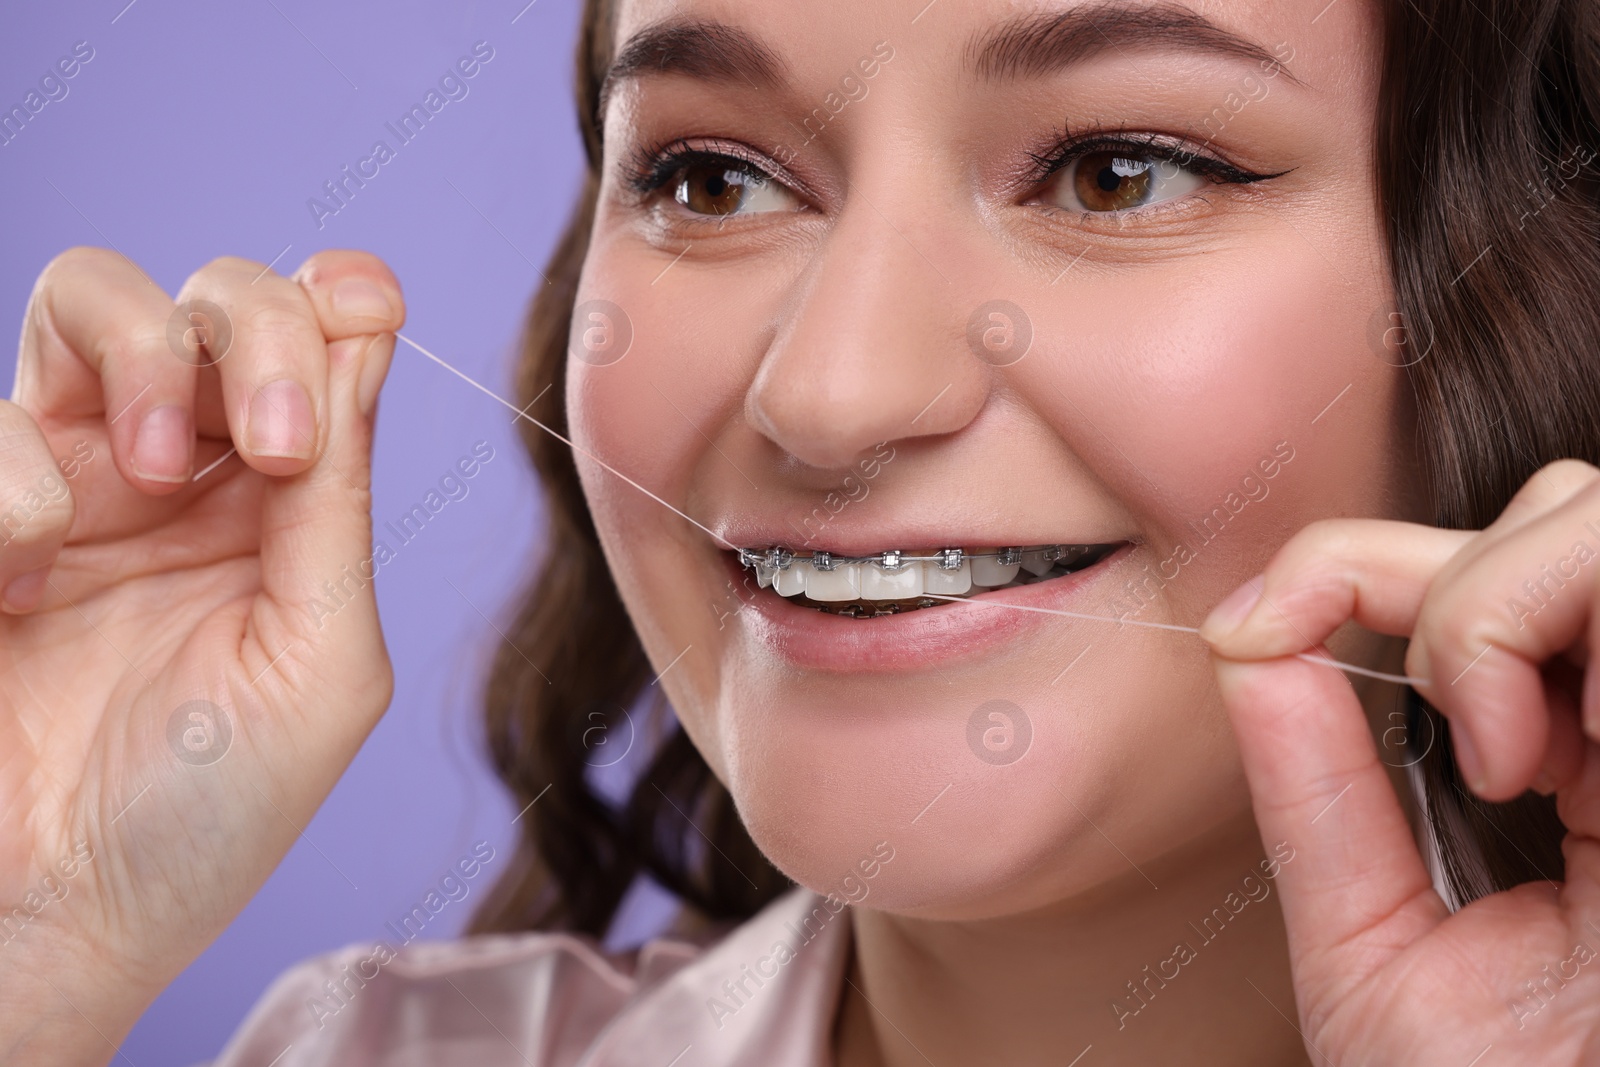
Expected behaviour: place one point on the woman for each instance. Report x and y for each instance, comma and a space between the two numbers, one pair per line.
929, 370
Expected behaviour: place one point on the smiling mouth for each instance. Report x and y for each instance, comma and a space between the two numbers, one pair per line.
894, 582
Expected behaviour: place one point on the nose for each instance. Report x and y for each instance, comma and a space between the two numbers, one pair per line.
873, 349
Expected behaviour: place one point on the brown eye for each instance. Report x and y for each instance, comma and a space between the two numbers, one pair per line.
715, 189
1107, 182
1103, 182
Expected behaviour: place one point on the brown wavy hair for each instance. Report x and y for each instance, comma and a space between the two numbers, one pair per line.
1485, 134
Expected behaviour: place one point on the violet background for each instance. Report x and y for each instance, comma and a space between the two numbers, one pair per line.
202, 129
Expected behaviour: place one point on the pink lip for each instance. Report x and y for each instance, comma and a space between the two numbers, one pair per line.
814, 640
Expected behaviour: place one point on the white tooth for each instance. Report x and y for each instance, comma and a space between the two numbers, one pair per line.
791, 581
947, 583
1035, 563
879, 584
987, 573
841, 583
764, 575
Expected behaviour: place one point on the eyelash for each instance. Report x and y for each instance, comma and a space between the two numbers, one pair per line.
1071, 147
650, 167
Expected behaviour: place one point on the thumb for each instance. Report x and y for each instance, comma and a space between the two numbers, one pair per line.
1357, 890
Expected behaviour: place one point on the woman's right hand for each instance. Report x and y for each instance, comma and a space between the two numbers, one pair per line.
1384, 971
187, 664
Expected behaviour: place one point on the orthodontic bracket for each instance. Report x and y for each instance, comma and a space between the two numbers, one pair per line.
947, 559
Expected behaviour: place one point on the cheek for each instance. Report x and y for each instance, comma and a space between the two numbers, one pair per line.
1180, 392
647, 416
691, 359
1175, 386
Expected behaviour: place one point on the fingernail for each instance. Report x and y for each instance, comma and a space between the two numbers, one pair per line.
361, 299
1468, 760
1229, 615
163, 445
281, 421
24, 592
1545, 784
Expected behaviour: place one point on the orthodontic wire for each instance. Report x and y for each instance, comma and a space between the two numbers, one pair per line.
1352, 668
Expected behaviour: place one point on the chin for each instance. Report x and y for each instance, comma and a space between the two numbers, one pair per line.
985, 809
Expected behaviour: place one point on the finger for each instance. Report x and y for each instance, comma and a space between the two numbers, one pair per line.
36, 510
1563, 754
96, 340
354, 293
1374, 571
1354, 889
1489, 625
318, 558
274, 376
1551, 486
1578, 805
317, 553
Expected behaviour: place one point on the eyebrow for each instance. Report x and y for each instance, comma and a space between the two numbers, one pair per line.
699, 48
1028, 46
1032, 46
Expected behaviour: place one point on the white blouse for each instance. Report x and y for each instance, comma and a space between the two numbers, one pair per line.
765, 993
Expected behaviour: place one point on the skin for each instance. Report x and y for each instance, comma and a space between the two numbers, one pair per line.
1226, 320
1020, 899
162, 591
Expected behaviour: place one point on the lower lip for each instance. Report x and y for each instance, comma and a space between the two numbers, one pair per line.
913, 640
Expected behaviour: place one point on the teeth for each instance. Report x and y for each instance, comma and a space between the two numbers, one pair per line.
988, 572
841, 583
879, 584
889, 583
935, 579
791, 581
1036, 563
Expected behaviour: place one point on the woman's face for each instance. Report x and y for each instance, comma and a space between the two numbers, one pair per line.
978, 275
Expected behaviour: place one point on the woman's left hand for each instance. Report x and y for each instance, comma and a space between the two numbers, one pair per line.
1383, 972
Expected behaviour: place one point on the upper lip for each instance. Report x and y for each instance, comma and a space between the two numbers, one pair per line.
906, 536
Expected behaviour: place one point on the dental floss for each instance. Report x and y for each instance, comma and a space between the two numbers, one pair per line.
1308, 657
1401, 679
524, 415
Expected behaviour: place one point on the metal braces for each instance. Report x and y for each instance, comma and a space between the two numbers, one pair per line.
947, 559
